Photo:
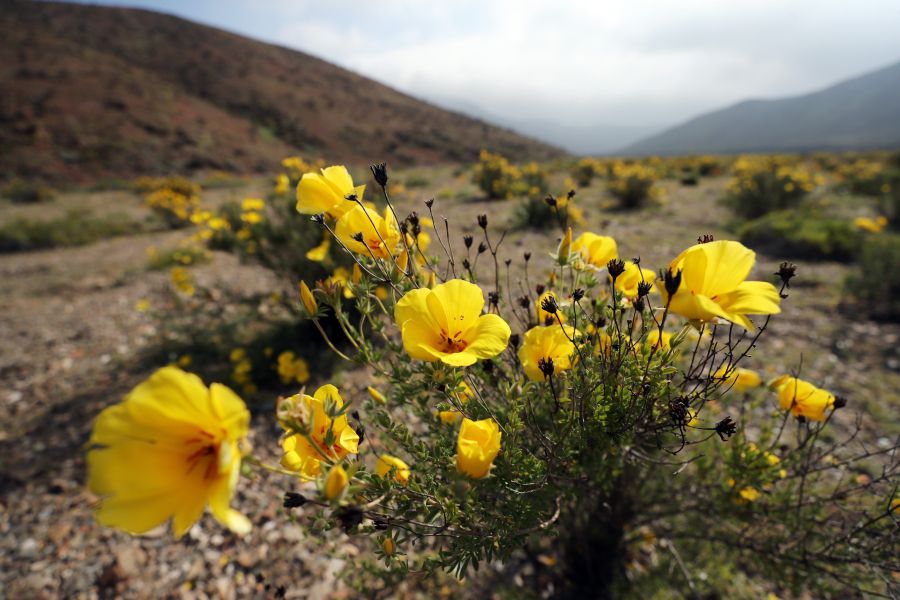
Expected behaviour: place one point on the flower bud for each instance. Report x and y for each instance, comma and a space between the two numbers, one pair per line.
477, 446
336, 482
308, 300
376, 395
564, 251
388, 546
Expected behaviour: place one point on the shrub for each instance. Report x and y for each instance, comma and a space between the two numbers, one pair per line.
533, 182
495, 176
172, 199
633, 184
584, 172
26, 192
867, 178
761, 184
77, 228
876, 284
548, 212
802, 234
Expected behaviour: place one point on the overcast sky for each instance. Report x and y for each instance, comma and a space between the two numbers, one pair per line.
628, 63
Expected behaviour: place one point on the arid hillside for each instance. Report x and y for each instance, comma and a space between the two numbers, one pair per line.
95, 92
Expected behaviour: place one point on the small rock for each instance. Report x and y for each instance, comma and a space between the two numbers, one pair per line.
28, 548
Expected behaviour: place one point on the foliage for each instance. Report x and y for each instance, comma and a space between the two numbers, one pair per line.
534, 181
173, 199
761, 184
26, 192
633, 184
75, 229
876, 285
584, 171
548, 212
802, 234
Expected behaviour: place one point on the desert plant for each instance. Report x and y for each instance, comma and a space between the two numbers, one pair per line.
761, 184
76, 228
495, 176
876, 283
802, 234
633, 185
26, 192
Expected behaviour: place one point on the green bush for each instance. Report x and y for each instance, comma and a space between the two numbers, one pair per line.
495, 176
762, 184
26, 192
802, 235
75, 229
877, 282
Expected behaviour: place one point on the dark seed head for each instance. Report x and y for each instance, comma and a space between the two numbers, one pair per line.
482, 221
546, 367
549, 305
644, 288
571, 194
578, 294
615, 267
672, 282
294, 500
379, 172
467, 240
705, 238
726, 428
786, 271
358, 236
550, 200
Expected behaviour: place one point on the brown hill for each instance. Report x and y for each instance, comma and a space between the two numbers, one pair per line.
92, 92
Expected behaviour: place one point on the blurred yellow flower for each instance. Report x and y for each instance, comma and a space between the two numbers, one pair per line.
252, 204
328, 438
376, 395
477, 446
627, 283
450, 417
386, 462
652, 339
750, 494
871, 225
596, 250
182, 280
168, 450
380, 236
327, 192
320, 252
738, 378
292, 369
802, 398
251, 218
446, 324
142, 305
548, 344
713, 285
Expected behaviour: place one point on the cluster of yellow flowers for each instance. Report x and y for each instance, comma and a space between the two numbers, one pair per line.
495, 176
292, 368
757, 174
863, 176
175, 206
634, 183
242, 370
875, 225
182, 280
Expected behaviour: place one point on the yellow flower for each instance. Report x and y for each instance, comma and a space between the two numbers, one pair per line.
477, 447
386, 462
596, 250
450, 417
252, 204
871, 225
327, 192
336, 482
547, 343
318, 253
545, 318
251, 218
292, 368
446, 324
627, 282
713, 285
738, 378
750, 494
802, 398
652, 339
333, 438
380, 236
376, 395
142, 305
182, 280
167, 451
308, 300
282, 184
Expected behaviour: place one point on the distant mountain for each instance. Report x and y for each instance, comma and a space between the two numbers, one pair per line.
859, 113
591, 139
92, 92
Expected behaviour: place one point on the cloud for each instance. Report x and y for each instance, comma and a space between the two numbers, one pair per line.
576, 62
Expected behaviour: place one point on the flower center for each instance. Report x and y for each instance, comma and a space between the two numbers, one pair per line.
205, 455
453, 343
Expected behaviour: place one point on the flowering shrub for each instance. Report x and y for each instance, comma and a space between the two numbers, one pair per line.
548, 212
633, 184
495, 176
876, 284
173, 199
761, 184
601, 413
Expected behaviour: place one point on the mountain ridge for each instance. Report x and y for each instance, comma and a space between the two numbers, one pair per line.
855, 114
98, 92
